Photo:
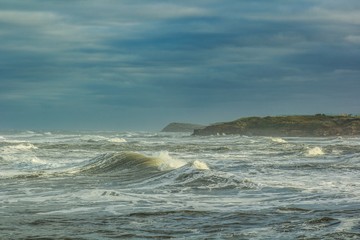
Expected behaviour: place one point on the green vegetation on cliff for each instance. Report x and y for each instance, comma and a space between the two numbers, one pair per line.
318, 125
182, 127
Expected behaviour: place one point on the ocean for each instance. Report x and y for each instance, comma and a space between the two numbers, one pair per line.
148, 185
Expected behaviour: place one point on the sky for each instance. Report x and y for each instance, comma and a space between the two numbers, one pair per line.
140, 64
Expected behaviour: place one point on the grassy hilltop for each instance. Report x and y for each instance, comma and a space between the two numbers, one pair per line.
318, 125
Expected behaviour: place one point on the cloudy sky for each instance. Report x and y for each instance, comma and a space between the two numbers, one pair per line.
140, 64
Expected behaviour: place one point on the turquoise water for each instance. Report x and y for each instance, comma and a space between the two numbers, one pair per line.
142, 185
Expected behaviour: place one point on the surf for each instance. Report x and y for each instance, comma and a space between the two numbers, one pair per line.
120, 161
314, 151
127, 161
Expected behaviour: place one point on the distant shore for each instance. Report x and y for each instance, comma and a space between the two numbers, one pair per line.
319, 125
182, 127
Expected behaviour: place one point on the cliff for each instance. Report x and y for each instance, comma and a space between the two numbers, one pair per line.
181, 127
293, 126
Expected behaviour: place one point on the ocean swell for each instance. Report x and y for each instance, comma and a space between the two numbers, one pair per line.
117, 162
211, 180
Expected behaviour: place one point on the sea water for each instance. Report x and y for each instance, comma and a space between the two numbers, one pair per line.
143, 185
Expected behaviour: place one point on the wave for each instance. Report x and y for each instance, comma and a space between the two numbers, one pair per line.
23, 147
126, 165
212, 180
165, 172
200, 165
126, 161
19, 154
315, 151
117, 140
167, 162
278, 140
16, 146
115, 162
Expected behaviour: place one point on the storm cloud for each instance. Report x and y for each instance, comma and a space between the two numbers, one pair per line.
140, 64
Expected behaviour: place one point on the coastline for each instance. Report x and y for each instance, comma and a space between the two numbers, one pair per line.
319, 125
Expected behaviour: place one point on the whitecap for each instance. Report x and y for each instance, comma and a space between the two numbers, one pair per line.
117, 140
93, 138
23, 146
36, 160
71, 210
168, 162
200, 165
278, 140
315, 151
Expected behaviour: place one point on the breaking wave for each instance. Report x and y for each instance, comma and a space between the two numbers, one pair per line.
127, 162
115, 162
200, 165
278, 140
315, 151
117, 140
23, 146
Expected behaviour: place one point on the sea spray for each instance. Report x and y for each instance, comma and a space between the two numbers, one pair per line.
167, 162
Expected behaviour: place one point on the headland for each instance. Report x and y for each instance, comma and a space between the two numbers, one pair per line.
319, 125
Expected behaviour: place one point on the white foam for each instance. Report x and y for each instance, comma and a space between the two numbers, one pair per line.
315, 151
220, 134
200, 165
168, 162
94, 138
71, 210
278, 140
23, 146
117, 140
37, 160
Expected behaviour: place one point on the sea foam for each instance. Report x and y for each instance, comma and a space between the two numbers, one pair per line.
168, 162
23, 146
315, 151
278, 140
117, 140
200, 165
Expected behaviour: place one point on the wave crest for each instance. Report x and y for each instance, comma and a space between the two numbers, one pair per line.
200, 165
117, 140
315, 151
127, 161
167, 162
114, 162
278, 140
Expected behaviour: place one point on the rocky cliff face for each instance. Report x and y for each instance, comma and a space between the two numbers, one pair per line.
181, 127
319, 125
